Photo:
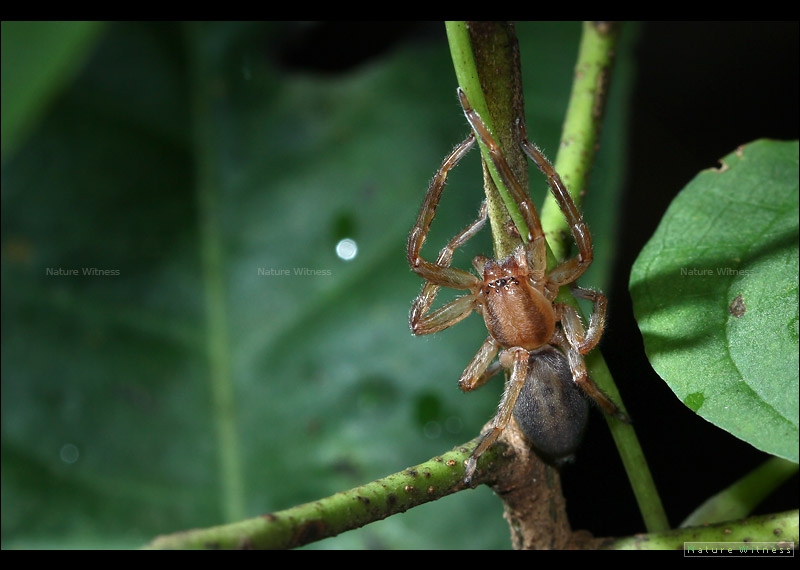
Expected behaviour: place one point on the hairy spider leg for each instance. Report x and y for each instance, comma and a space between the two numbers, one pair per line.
584, 339
538, 250
480, 369
566, 271
576, 341
516, 360
446, 316
440, 274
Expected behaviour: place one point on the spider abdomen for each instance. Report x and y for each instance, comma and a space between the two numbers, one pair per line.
551, 410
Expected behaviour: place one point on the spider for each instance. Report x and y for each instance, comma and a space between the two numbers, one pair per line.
541, 343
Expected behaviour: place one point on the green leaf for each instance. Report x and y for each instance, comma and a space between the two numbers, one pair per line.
38, 58
114, 410
715, 293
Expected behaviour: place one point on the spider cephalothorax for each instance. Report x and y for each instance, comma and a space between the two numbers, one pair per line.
540, 342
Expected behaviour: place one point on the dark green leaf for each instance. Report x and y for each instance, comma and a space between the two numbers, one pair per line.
38, 58
115, 421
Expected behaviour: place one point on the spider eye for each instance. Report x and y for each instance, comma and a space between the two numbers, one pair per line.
501, 283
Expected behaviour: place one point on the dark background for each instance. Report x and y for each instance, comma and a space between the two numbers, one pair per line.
701, 90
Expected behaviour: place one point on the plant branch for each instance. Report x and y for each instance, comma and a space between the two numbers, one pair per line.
347, 510
779, 527
511, 473
474, 46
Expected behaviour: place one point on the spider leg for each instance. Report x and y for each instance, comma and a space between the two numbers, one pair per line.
581, 377
443, 317
535, 238
423, 323
479, 371
570, 270
582, 338
441, 275
517, 360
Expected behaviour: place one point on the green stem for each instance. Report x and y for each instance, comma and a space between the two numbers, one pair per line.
333, 515
580, 134
744, 495
579, 141
461, 51
781, 528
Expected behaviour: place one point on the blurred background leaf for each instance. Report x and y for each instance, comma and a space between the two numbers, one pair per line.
110, 423
39, 59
